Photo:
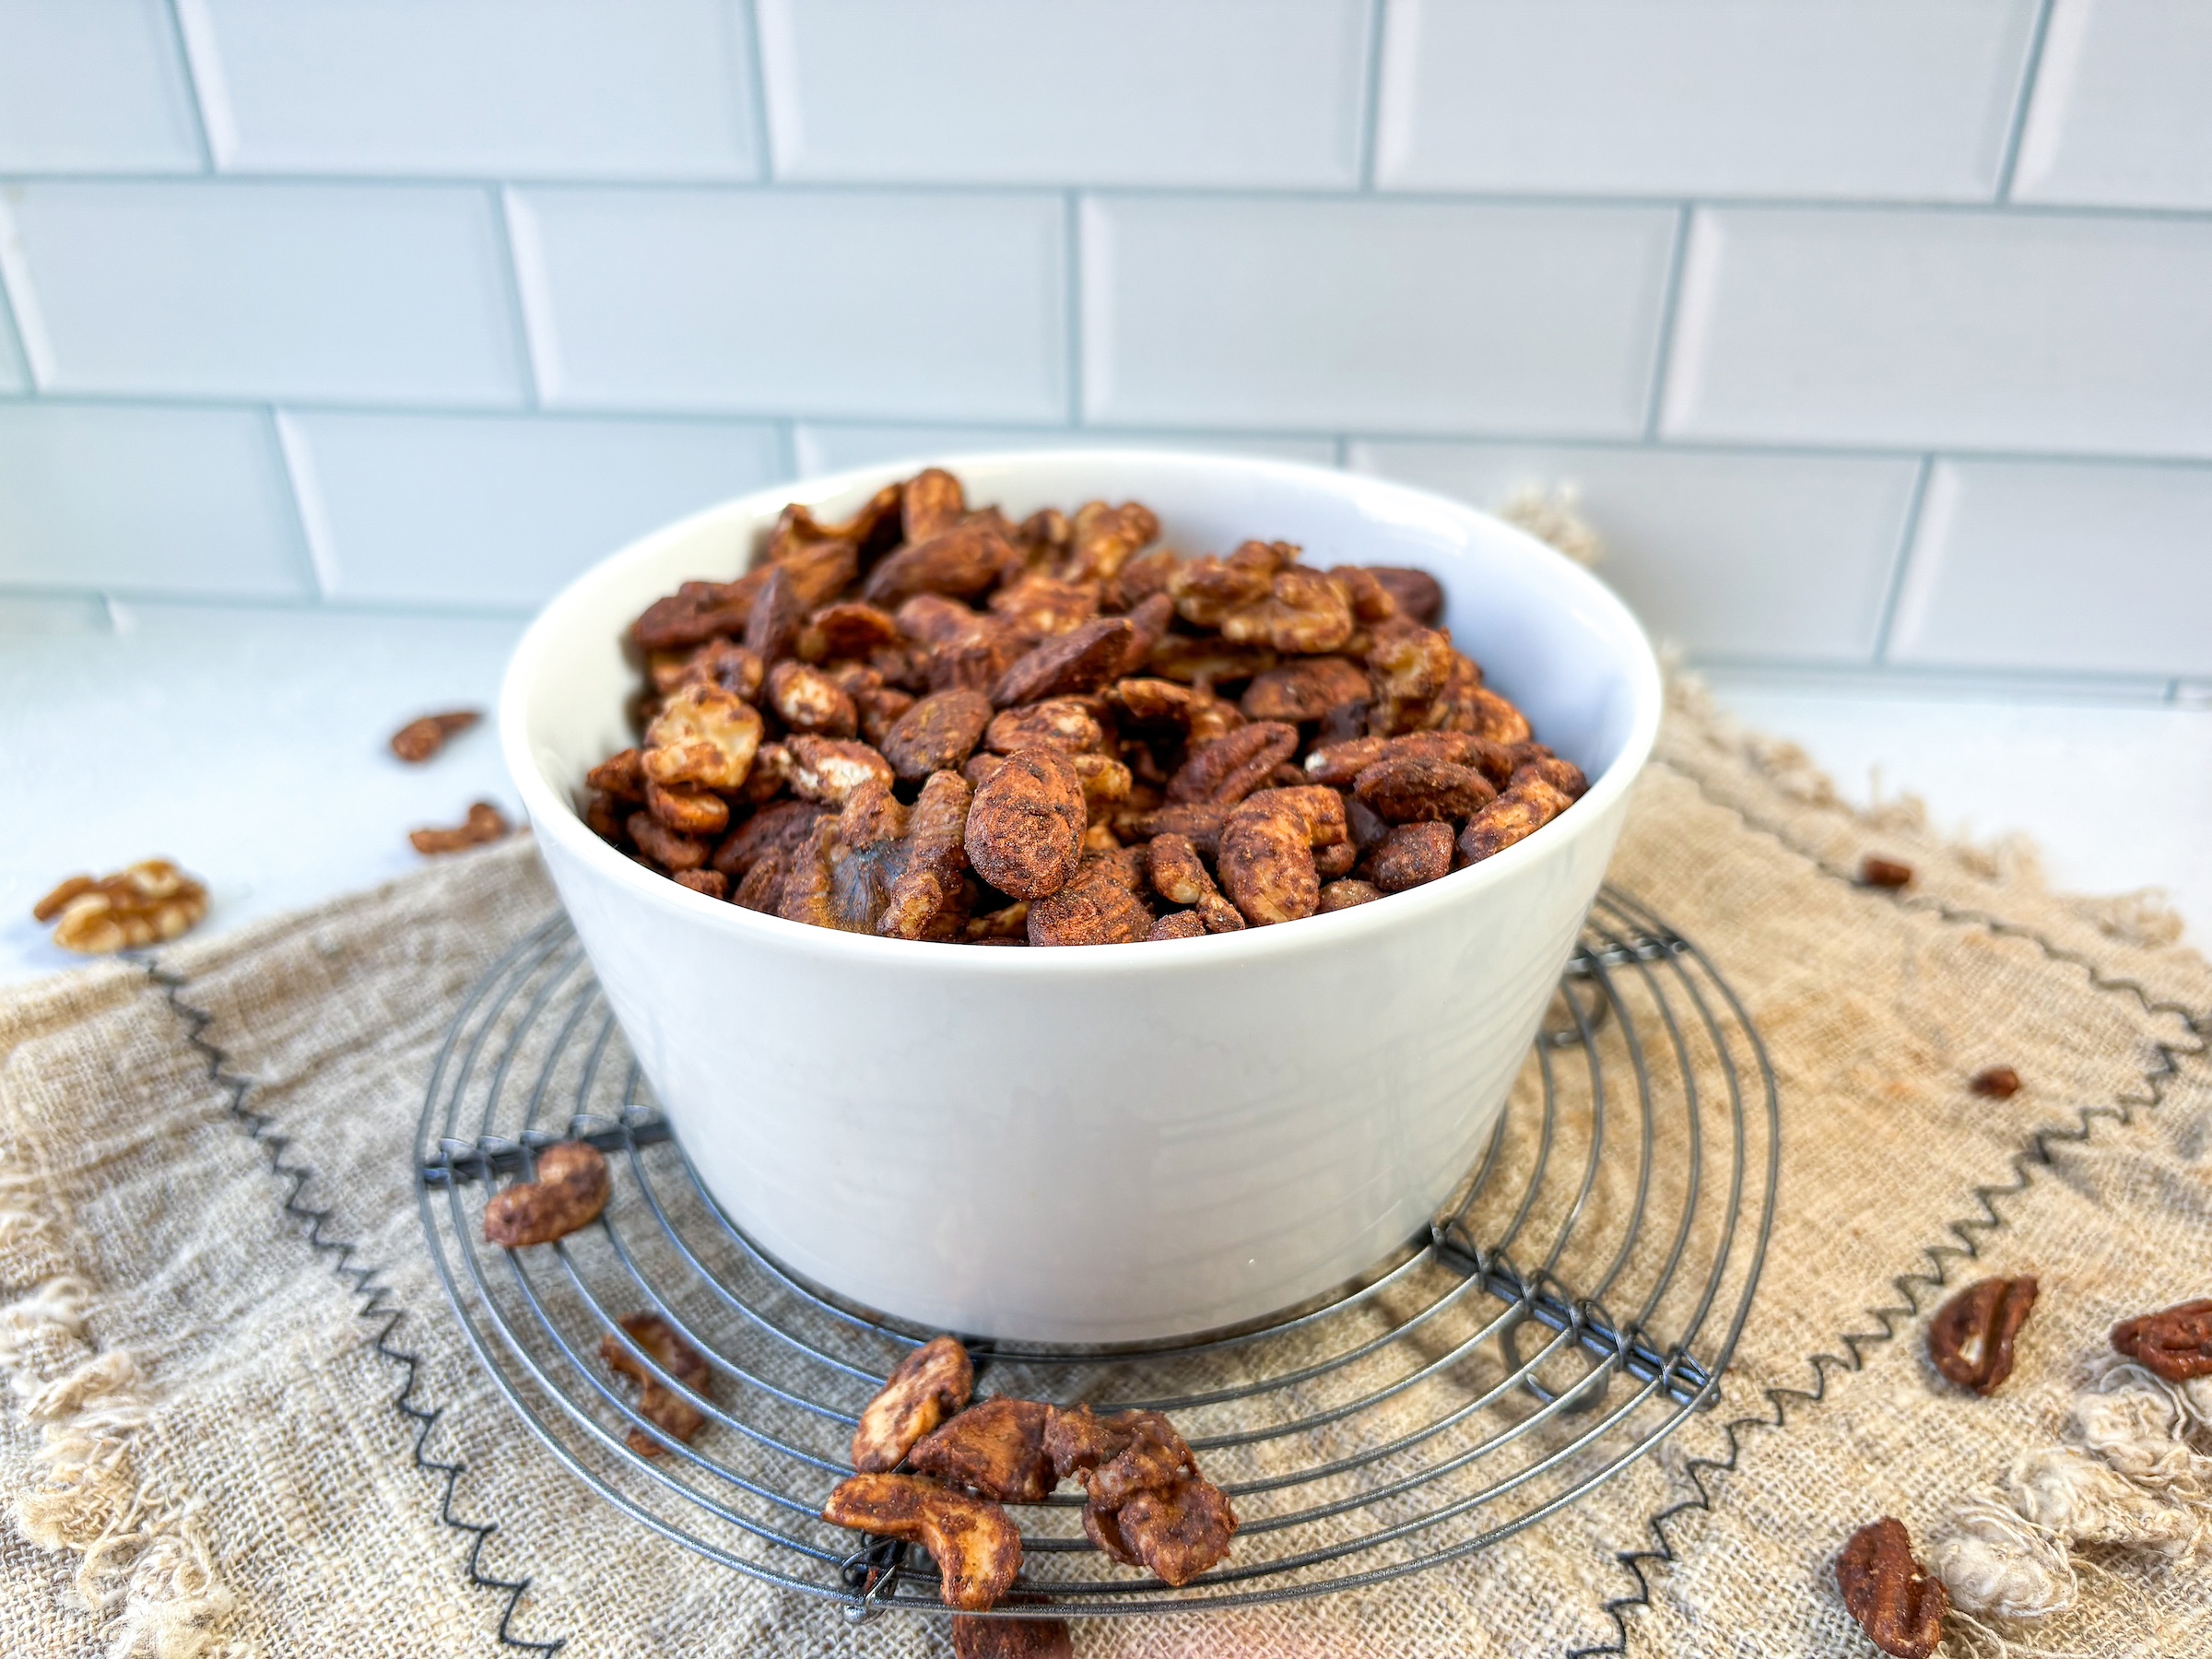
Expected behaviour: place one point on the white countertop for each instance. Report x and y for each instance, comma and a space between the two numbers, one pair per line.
249, 745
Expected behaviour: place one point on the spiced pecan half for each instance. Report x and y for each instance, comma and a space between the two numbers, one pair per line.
1304, 613
1097, 906
1103, 538
930, 503
1179, 924
807, 700
2174, 1343
1084, 658
1066, 723
1412, 855
938, 733
1177, 1531
697, 611
1224, 772
1305, 689
1513, 817
1898, 1603
686, 810
569, 1191
1970, 1338
995, 1449
703, 734
1025, 831
977, 1549
1039, 606
419, 739
931, 1384
658, 1404
959, 562
1410, 791
1417, 594
484, 824
847, 630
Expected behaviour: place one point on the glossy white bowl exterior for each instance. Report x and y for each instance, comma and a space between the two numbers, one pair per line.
1109, 1144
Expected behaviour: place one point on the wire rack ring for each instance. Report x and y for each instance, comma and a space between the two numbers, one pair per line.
1577, 1297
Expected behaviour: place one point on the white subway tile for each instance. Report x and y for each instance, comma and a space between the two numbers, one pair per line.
171, 500
87, 84
15, 374
930, 305
1769, 555
2058, 566
827, 447
2119, 116
1886, 97
500, 510
74, 616
2033, 330
1244, 92
580, 89
290, 290
1412, 317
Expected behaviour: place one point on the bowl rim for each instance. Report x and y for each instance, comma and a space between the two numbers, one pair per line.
554, 816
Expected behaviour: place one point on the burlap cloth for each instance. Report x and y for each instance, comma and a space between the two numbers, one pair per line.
242, 1421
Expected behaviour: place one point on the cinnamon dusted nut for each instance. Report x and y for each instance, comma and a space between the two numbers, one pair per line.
1418, 597
1230, 768
1068, 723
958, 563
671, 849
1970, 1338
807, 700
1025, 831
1480, 711
938, 733
703, 734
1179, 924
977, 1549
1304, 690
1304, 612
1898, 1603
994, 1449
1103, 538
930, 503
931, 1384
1343, 895
484, 824
2175, 1343
1084, 658
419, 739
687, 811
1097, 906
847, 630
569, 1191
827, 770
1995, 1083
1039, 606
1408, 791
1207, 592
719, 661
619, 775
1179, 877
697, 611
1513, 817
712, 883
1177, 1531
782, 825
1010, 1638
771, 628
659, 1405
1412, 855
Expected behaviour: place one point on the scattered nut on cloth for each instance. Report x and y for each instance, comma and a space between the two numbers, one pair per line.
148, 903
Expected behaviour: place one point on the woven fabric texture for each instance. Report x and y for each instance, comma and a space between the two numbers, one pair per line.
241, 1419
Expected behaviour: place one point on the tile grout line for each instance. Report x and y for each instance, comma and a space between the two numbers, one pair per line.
1071, 208
1908, 534
1663, 349
1370, 113
2030, 72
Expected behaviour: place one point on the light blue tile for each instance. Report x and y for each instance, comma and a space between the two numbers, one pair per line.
168, 500
1879, 97
87, 84
1412, 317
1240, 92
827, 447
1772, 556
2046, 331
2118, 118
929, 305
2082, 567
15, 374
580, 88
500, 510
255, 290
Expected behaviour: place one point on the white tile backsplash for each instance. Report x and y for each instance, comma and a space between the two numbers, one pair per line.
174, 500
2120, 113
2054, 332
1232, 92
1743, 555
1878, 97
372, 292
500, 510
87, 84
1405, 316
2058, 566
827, 446
652, 88
829, 302
15, 373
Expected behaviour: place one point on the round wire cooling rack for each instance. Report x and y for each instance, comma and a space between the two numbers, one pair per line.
1577, 1297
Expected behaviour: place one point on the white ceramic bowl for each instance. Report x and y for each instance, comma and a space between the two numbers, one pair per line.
1114, 1143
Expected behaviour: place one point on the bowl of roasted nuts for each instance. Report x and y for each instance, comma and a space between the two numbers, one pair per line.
1089, 897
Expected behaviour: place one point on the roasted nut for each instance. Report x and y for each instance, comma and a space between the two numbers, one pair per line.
848, 630
761, 888
1304, 612
671, 849
1206, 660
419, 739
1563, 775
658, 1404
818, 569
1897, 1604
1512, 816
771, 629
1332, 862
2175, 1343
1008, 925
931, 1384
1103, 538
827, 770
1995, 1083
1970, 1338
619, 775
712, 883
703, 734
1418, 597
1180, 878
957, 563
697, 611
1224, 772
1177, 1531
1082, 659
1343, 895
807, 700
938, 733
1010, 1638
1115, 1456
1412, 854
1480, 711
1039, 606
1064, 724
1305, 689
1412, 666
781, 825
1267, 861
484, 824
930, 503
928, 899
1207, 592
1025, 831
1095, 907
977, 1549
994, 1449
1179, 924
1406, 791
1883, 873
569, 1192
142, 904
687, 811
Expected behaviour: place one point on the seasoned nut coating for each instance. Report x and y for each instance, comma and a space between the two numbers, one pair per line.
687, 811
717, 662
1177, 1531
977, 1549
1095, 907
712, 883
1418, 597
1103, 538
671, 849
807, 700
142, 904
1305, 689
1970, 1338
1267, 861
1064, 724
1563, 775
1230, 768
1995, 1083
619, 775
1411, 791
1512, 816
1180, 878
1010, 1638
959, 563
2176, 1344
419, 739
1490, 717
1038, 605
697, 611
1304, 612
570, 1192
1206, 592
1413, 854
771, 630
929, 898
1025, 831
703, 734
848, 629
931, 1384
1082, 659
994, 1449
1343, 895
658, 1404
938, 733
1179, 924
1898, 1604
484, 824
827, 770
782, 825
930, 503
